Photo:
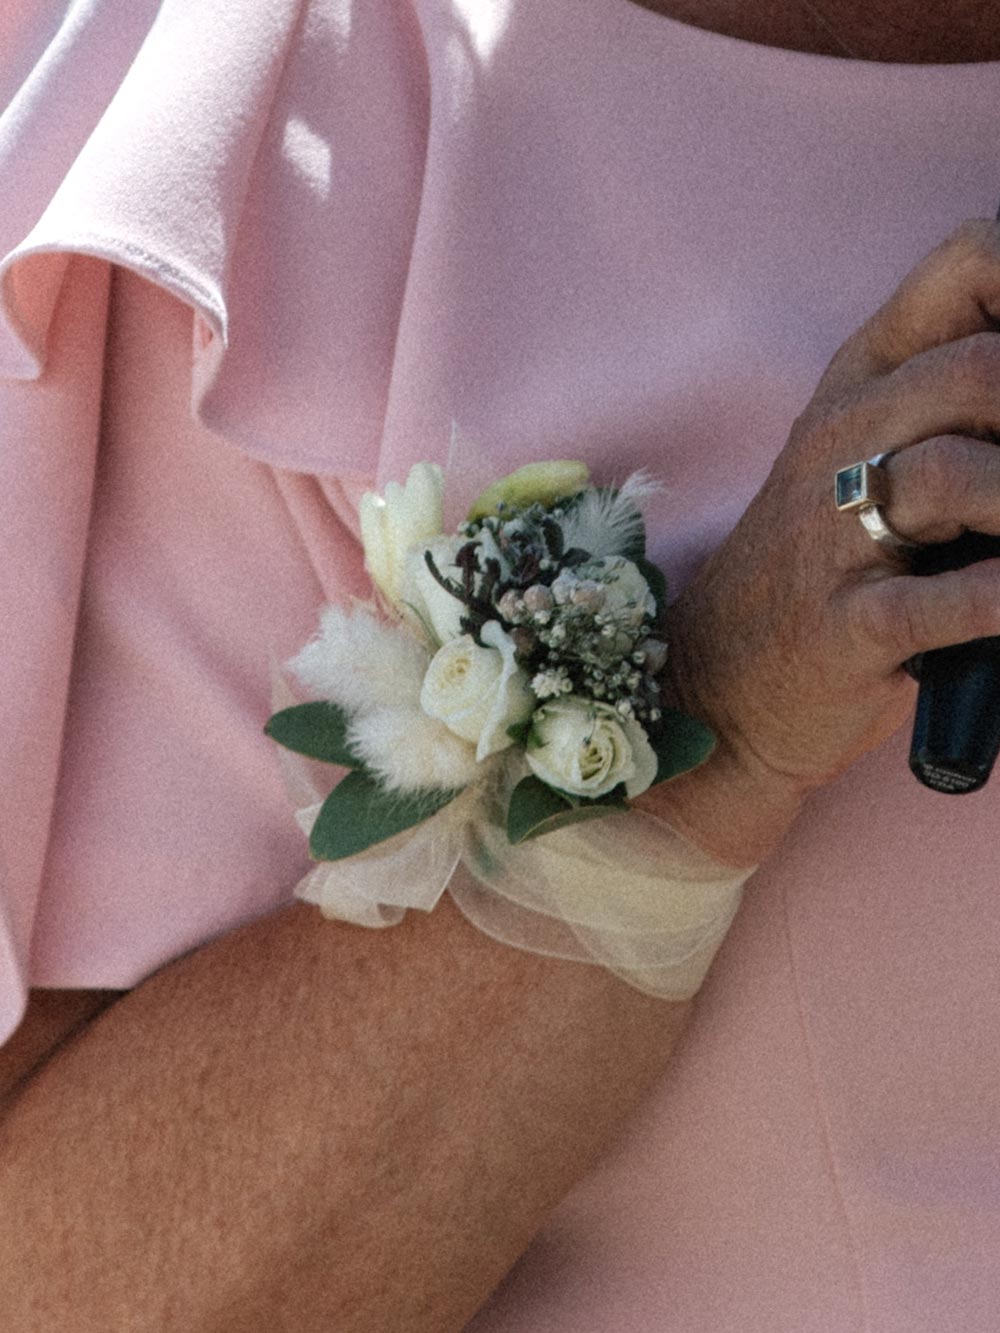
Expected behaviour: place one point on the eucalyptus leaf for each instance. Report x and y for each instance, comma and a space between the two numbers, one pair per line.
520, 731
680, 743
536, 808
318, 730
358, 813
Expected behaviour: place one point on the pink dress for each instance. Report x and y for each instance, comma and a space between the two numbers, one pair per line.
254, 255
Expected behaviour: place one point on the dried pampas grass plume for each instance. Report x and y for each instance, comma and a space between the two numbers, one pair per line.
360, 662
374, 671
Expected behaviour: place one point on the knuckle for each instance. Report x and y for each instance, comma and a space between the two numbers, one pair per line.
974, 235
976, 359
810, 421
978, 234
980, 606
973, 474
902, 616
931, 467
972, 241
947, 470
822, 430
888, 616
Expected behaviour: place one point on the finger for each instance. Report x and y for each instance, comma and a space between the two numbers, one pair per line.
952, 294
943, 487
894, 618
950, 390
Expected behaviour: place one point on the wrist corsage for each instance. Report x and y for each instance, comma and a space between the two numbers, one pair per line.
501, 688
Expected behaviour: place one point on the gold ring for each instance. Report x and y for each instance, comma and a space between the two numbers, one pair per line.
863, 489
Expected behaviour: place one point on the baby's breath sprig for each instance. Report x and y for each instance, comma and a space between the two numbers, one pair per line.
580, 624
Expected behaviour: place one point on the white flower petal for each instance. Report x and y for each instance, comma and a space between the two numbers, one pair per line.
643, 756
391, 525
514, 701
433, 607
585, 748
478, 692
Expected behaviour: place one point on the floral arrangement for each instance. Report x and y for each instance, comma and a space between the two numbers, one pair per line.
522, 648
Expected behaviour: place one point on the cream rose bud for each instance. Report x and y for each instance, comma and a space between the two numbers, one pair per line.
478, 692
587, 749
623, 585
391, 525
654, 653
434, 607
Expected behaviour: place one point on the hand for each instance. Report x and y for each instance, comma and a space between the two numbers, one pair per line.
790, 642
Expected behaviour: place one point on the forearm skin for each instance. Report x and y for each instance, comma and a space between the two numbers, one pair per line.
309, 1126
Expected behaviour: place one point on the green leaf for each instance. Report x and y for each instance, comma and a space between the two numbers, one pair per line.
358, 813
536, 808
317, 730
680, 743
657, 583
520, 731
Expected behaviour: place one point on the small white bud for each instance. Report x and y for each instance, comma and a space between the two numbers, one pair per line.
510, 606
655, 652
538, 598
588, 595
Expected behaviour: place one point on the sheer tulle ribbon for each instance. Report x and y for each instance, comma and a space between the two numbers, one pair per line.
625, 891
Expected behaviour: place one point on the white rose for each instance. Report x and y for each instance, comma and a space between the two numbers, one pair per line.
391, 525
478, 692
433, 606
588, 749
623, 585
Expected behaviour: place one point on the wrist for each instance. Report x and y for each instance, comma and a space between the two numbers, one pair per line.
734, 806
732, 809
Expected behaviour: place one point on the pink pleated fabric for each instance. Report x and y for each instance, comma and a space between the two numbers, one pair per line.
256, 255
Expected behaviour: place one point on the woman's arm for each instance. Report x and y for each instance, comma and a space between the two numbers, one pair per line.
50, 1018
306, 1126
310, 1126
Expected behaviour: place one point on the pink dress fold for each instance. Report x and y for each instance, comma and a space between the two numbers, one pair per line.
259, 255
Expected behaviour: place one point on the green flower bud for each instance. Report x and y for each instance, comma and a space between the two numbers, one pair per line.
535, 483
